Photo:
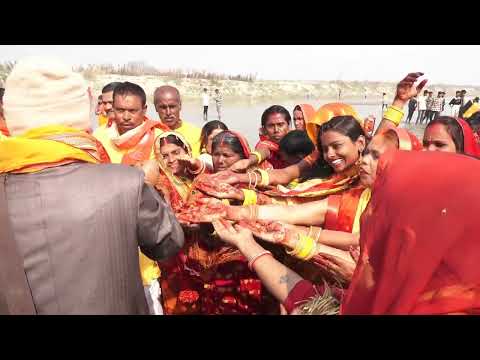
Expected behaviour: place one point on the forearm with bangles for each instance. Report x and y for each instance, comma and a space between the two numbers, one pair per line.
389, 121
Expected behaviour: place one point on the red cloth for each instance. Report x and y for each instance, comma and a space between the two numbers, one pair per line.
419, 237
470, 144
274, 161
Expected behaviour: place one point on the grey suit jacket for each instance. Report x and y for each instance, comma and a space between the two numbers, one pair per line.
79, 227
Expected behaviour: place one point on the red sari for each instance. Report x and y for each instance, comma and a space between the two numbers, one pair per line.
207, 277
470, 139
274, 161
419, 238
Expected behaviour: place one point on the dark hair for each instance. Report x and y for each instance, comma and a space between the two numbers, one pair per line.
128, 88
296, 142
453, 129
229, 139
276, 109
2, 92
297, 108
474, 121
110, 87
425, 92
346, 125
172, 139
207, 130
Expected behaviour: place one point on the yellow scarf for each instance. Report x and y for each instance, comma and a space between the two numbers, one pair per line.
46, 146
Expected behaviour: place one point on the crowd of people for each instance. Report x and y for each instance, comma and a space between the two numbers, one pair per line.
325, 215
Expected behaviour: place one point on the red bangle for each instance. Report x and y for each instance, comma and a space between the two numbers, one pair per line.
256, 257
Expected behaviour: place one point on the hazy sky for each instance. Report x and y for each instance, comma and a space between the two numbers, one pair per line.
441, 63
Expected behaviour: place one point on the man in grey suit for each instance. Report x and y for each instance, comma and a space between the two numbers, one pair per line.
77, 224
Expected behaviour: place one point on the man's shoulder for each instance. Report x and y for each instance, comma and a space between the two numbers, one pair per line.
190, 127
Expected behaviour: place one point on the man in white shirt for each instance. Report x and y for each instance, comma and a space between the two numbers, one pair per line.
206, 100
422, 107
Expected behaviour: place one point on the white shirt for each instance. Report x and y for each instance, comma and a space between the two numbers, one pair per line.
422, 102
205, 99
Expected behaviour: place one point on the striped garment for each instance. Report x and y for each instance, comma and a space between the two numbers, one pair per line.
437, 104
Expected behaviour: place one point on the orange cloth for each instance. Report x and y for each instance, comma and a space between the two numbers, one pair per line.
49, 146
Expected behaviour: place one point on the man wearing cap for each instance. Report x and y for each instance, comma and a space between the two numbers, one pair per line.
75, 237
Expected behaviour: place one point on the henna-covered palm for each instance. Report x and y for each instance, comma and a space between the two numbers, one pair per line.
406, 88
215, 188
271, 231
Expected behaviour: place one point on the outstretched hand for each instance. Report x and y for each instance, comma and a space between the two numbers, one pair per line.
240, 166
271, 231
231, 235
406, 88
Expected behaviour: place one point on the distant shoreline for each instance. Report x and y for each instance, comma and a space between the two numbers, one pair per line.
269, 90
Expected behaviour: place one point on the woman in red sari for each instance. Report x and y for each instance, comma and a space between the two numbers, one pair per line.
209, 277
420, 259
451, 135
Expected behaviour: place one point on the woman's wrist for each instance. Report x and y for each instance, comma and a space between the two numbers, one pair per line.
249, 247
397, 102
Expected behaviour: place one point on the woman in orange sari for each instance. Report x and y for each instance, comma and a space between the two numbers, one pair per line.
207, 277
338, 216
302, 114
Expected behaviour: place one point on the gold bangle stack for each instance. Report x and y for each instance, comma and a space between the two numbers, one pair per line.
253, 212
305, 248
394, 114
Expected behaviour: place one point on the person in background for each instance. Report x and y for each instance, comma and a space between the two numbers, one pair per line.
219, 103
99, 107
302, 114
463, 102
412, 106
295, 146
107, 102
422, 107
429, 112
437, 106
209, 130
168, 105
455, 104
205, 101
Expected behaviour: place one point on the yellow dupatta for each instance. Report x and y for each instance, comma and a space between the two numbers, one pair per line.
49, 146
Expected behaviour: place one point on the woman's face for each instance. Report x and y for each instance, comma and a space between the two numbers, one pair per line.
368, 168
170, 153
339, 151
436, 138
223, 157
210, 139
299, 120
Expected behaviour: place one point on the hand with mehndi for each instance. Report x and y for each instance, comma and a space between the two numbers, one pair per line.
271, 231
230, 234
406, 88
220, 190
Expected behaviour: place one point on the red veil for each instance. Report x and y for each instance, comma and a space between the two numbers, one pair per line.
419, 238
470, 144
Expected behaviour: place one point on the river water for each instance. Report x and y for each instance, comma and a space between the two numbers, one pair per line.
244, 116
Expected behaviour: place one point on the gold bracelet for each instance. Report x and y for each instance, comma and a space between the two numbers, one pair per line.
249, 173
265, 179
258, 155
249, 197
253, 212
394, 114
304, 248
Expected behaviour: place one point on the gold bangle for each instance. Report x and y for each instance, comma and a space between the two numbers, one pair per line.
258, 155
394, 114
250, 197
304, 248
264, 178
253, 212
